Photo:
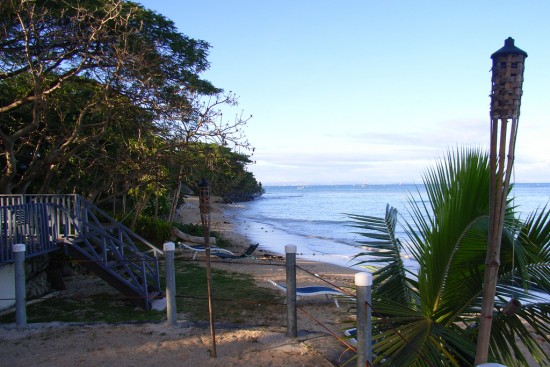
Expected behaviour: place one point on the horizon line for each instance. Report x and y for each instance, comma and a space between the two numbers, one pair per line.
379, 184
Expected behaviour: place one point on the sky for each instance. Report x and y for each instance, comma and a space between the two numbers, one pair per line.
369, 91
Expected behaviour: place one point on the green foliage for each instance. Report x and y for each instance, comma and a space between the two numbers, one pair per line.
190, 229
156, 231
428, 316
157, 205
224, 169
116, 108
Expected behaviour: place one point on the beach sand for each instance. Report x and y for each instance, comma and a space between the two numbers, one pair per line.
261, 342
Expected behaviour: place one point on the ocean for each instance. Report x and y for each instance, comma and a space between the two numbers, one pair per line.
314, 217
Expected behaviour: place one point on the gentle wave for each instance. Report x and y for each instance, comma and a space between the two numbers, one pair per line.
313, 217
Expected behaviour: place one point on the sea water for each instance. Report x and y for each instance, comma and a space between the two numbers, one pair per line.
315, 218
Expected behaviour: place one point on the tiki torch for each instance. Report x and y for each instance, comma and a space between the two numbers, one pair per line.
204, 207
506, 92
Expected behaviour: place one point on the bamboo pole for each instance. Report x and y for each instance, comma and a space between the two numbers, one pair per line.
500, 181
204, 206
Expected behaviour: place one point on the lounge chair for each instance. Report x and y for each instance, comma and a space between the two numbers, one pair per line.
352, 335
201, 248
247, 253
218, 251
313, 291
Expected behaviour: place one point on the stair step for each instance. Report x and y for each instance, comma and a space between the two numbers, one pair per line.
95, 239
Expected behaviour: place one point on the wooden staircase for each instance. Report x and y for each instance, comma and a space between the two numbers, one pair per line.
98, 242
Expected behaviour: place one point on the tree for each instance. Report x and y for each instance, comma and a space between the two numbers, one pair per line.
76, 77
43, 46
83, 135
428, 316
226, 171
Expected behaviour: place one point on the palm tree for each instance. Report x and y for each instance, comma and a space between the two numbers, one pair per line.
427, 315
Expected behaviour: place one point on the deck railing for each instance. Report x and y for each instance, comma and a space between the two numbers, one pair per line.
28, 224
43, 222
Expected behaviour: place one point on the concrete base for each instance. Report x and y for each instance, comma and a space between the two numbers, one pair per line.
159, 304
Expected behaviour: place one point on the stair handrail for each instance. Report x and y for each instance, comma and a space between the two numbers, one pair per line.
138, 270
83, 208
92, 232
28, 224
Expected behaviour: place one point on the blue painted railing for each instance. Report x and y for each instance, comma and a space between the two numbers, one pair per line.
28, 224
45, 223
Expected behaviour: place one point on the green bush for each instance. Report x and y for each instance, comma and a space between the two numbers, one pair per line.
190, 229
156, 231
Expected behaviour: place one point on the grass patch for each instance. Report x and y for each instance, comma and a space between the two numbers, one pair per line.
100, 307
236, 300
236, 297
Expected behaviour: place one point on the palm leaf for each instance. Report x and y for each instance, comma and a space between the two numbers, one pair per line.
429, 318
449, 234
384, 248
525, 276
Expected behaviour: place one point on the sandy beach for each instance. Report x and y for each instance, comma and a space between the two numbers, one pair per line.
260, 342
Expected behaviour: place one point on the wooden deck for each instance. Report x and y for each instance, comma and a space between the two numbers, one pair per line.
47, 223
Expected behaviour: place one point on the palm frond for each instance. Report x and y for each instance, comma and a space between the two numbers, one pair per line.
384, 248
429, 318
449, 233
510, 331
420, 342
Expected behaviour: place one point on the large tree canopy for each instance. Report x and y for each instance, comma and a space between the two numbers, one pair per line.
101, 95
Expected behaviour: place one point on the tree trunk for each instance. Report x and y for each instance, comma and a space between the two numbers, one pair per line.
174, 205
140, 204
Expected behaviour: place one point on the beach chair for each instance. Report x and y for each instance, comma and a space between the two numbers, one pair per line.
247, 253
352, 336
201, 248
312, 291
218, 251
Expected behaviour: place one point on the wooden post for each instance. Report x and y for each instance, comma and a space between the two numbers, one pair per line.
204, 207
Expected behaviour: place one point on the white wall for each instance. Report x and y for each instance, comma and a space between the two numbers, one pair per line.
7, 286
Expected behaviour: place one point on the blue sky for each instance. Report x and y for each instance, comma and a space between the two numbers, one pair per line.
371, 91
